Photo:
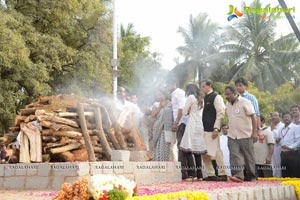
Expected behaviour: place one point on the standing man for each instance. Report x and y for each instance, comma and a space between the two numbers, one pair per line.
241, 135
276, 125
241, 85
264, 151
178, 103
289, 139
224, 147
295, 110
213, 114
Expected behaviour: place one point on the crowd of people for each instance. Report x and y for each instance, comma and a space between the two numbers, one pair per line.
188, 126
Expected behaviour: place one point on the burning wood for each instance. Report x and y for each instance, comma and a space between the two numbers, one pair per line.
70, 128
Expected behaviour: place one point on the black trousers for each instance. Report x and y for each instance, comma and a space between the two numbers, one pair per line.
194, 169
181, 154
290, 163
264, 170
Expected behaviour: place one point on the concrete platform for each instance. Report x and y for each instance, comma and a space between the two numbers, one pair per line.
52, 175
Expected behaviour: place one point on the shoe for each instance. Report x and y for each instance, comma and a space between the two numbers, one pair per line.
235, 179
223, 178
211, 178
250, 179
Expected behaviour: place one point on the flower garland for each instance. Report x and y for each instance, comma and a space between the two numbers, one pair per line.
190, 195
286, 181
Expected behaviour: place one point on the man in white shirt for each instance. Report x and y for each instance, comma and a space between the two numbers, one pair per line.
289, 139
276, 125
295, 110
224, 148
178, 102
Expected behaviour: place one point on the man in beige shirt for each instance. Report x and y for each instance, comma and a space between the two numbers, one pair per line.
241, 135
213, 114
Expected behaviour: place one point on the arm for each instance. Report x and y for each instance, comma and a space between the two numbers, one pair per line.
220, 112
254, 126
187, 106
270, 154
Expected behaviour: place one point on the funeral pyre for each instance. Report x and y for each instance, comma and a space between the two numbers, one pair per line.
67, 128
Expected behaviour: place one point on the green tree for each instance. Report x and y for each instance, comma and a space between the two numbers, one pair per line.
199, 43
140, 69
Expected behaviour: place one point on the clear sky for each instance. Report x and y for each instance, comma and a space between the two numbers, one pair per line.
160, 19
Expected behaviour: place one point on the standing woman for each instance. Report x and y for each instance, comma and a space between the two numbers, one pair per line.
193, 143
163, 123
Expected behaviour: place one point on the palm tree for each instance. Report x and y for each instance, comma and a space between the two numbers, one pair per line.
253, 52
199, 41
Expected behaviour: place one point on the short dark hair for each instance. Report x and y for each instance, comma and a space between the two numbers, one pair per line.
262, 118
232, 89
208, 83
287, 113
295, 106
242, 81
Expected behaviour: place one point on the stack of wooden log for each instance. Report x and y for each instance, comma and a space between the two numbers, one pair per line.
71, 128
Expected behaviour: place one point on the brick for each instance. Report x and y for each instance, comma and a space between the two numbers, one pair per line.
108, 167
22, 171
128, 167
72, 179
36, 182
44, 169
84, 169
14, 182
128, 176
64, 169
96, 168
2, 169
9, 170
170, 167
163, 167
32, 170
56, 182
1, 182
118, 167
145, 178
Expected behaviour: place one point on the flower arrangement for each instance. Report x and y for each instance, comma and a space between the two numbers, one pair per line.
103, 187
189, 195
286, 181
100, 187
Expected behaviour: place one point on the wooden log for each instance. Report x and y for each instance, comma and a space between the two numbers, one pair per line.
137, 140
47, 132
46, 157
46, 124
40, 112
57, 120
30, 118
68, 147
66, 156
27, 111
64, 127
85, 134
71, 134
74, 114
100, 133
80, 155
112, 137
19, 119
98, 150
35, 141
24, 148
50, 138
119, 135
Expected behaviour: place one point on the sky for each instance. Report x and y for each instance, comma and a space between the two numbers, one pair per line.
160, 19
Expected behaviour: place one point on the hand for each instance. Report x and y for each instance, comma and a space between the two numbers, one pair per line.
174, 127
215, 134
269, 160
285, 147
278, 140
254, 137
